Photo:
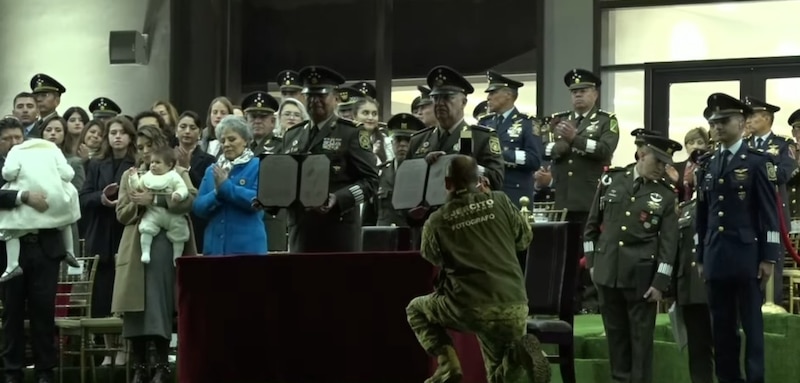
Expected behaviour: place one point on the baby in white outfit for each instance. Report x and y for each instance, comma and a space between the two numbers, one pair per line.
162, 179
38, 165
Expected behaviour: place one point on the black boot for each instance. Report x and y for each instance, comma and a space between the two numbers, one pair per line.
138, 360
163, 371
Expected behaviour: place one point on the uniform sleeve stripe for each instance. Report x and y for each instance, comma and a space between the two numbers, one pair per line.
773, 237
588, 247
549, 148
665, 268
357, 193
591, 145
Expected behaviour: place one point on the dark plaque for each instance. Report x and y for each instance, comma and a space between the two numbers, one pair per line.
409, 184
436, 191
286, 179
277, 180
315, 173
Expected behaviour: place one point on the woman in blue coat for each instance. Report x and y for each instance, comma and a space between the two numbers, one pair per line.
226, 194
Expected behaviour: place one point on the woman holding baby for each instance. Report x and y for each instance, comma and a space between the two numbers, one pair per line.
153, 207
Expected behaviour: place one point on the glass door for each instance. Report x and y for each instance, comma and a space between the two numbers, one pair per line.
675, 94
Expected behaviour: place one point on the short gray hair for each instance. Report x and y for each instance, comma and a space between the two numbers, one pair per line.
236, 124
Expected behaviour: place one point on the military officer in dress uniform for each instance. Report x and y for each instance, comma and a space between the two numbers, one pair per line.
691, 296
737, 229
481, 110
291, 86
366, 89
449, 91
335, 226
631, 258
522, 149
47, 92
794, 184
259, 108
782, 150
104, 109
401, 126
347, 98
585, 140
424, 107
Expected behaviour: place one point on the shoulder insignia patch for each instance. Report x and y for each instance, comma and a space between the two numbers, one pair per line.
301, 124
494, 145
482, 128
613, 124
605, 180
486, 117
364, 140
772, 173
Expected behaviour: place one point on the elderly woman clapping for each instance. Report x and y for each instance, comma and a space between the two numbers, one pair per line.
226, 192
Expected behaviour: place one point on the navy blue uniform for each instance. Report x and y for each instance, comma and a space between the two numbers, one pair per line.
781, 150
516, 135
737, 228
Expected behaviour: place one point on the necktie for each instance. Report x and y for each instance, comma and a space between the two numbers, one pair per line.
499, 120
759, 141
311, 135
637, 183
726, 154
443, 138
578, 121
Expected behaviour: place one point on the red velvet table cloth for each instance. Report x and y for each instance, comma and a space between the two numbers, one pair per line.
299, 318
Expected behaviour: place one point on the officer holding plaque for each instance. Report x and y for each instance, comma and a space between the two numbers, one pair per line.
335, 226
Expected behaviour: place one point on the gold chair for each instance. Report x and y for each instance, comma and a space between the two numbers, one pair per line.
82, 326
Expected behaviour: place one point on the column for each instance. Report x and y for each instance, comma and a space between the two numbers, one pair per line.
384, 38
568, 43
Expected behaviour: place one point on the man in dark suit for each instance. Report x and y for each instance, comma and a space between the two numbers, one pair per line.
782, 152
522, 149
260, 107
737, 227
449, 91
34, 292
335, 226
401, 127
48, 93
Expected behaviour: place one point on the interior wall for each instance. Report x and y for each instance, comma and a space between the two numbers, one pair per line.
68, 40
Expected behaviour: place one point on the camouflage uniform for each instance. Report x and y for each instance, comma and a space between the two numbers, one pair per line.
476, 292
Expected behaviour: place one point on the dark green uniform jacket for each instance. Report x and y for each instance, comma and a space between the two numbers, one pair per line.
475, 238
631, 237
576, 167
689, 286
485, 148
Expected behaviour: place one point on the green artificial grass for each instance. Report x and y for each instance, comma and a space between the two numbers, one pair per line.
670, 365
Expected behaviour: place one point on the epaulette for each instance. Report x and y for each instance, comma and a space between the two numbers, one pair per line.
296, 125
667, 183
482, 128
561, 114
784, 138
276, 138
428, 129
760, 152
385, 164
350, 122
605, 112
686, 203
487, 117
610, 169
